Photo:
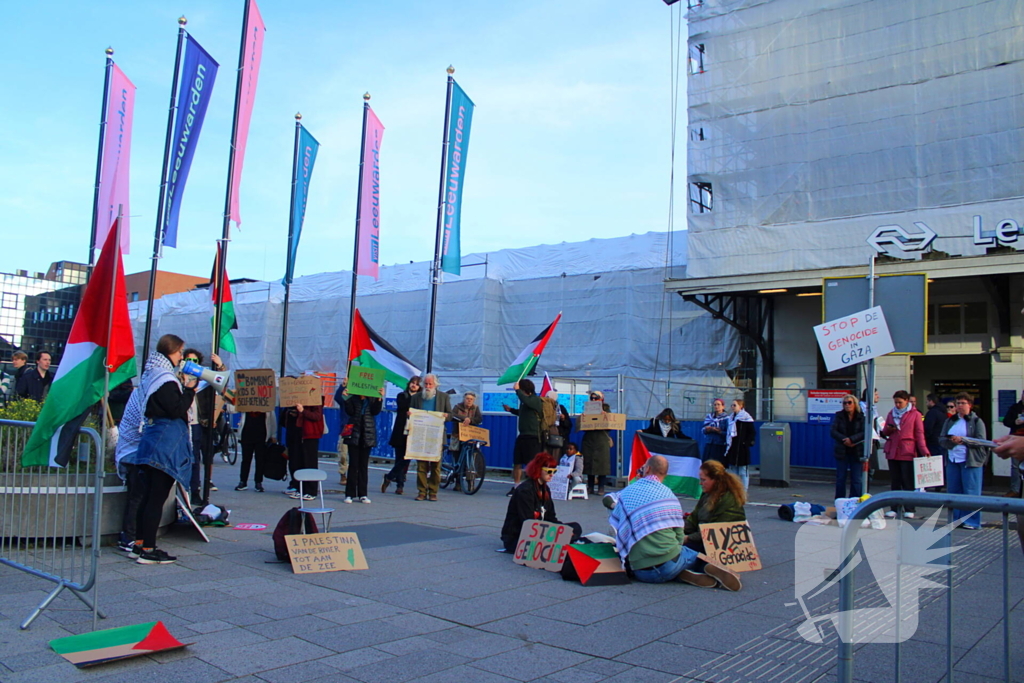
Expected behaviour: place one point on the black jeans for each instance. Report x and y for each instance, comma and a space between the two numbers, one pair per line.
358, 471
293, 443
309, 461
249, 451
901, 474
400, 470
156, 485
131, 505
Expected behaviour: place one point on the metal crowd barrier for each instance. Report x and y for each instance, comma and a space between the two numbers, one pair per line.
848, 543
50, 517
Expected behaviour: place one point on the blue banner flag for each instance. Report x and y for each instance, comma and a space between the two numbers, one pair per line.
459, 119
197, 79
305, 158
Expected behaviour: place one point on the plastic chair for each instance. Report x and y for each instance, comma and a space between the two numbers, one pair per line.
325, 512
578, 491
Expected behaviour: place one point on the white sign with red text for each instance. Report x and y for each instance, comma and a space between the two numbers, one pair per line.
854, 338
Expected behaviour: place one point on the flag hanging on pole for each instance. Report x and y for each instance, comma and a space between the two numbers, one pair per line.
528, 357
368, 218
197, 79
306, 152
117, 146
252, 52
546, 386
455, 174
370, 350
227, 311
683, 461
100, 341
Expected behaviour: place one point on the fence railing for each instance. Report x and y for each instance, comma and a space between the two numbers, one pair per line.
899, 499
50, 516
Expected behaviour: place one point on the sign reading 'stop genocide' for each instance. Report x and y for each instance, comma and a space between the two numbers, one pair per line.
854, 338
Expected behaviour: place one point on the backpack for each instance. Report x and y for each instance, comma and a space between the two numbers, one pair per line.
289, 525
275, 465
547, 418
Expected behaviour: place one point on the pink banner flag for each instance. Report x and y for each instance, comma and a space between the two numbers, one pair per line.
369, 200
252, 52
117, 145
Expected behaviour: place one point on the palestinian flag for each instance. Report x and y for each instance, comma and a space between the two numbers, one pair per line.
92, 349
109, 644
683, 461
227, 309
528, 357
546, 386
370, 350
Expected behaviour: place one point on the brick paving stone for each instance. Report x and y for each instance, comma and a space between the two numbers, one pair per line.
264, 656
532, 661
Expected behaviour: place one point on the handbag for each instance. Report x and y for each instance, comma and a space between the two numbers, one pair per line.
346, 431
556, 440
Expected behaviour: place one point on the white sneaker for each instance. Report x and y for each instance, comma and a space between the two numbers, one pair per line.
908, 515
348, 499
294, 495
890, 514
364, 499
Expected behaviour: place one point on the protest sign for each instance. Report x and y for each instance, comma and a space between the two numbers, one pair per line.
854, 338
823, 404
928, 472
561, 483
303, 390
730, 545
316, 553
365, 381
255, 391
426, 435
593, 407
615, 422
471, 433
542, 545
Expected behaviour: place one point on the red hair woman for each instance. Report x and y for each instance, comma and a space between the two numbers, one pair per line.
532, 500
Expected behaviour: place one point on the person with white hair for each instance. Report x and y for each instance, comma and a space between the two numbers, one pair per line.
428, 474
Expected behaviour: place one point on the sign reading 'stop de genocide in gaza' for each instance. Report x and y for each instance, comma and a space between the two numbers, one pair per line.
854, 338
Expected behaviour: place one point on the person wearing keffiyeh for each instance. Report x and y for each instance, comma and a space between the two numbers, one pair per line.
648, 524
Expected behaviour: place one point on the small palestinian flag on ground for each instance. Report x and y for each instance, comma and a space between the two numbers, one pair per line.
370, 350
594, 564
110, 644
528, 357
683, 461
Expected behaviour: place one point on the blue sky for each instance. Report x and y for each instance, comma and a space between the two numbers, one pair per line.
570, 140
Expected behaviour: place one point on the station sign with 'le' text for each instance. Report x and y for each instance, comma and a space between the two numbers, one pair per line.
854, 338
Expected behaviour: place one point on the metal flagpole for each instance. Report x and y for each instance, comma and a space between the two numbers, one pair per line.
869, 396
161, 218
99, 158
291, 235
355, 248
435, 269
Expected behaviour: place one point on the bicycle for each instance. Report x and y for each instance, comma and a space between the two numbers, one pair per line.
465, 468
227, 443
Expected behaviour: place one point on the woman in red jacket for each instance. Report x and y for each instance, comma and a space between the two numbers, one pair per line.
311, 422
904, 433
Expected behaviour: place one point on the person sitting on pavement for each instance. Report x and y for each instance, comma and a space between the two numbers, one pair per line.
722, 500
532, 500
650, 532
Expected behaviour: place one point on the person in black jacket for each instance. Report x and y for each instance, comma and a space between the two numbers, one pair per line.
35, 384
399, 438
532, 500
666, 425
933, 421
848, 433
362, 414
164, 454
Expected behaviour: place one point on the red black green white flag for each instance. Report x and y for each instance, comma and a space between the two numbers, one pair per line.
110, 644
370, 350
528, 357
683, 457
227, 308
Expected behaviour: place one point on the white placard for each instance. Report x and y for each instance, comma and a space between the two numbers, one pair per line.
426, 435
929, 472
560, 483
854, 338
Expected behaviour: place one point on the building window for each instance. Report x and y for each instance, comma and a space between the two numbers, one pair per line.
956, 319
10, 300
700, 197
697, 134
134, 297
697, 59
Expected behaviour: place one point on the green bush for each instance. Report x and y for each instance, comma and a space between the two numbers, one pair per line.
13, 438
25, 410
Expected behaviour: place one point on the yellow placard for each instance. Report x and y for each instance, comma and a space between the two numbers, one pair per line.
730, 545
317, 553
471, 433
303, 390
615, 422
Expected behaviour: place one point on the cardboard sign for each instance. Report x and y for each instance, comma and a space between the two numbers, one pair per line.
255, 391
365, 381
929, 472
303, 390
593, 407
730, 545
426, 435
854, 338
561, 483
317, 553
615, 422
594, 564
328, 386
469, 432
543, 545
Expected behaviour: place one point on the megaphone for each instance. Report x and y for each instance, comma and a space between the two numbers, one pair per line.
217, 380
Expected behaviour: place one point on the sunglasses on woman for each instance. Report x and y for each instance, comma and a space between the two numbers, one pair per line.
549, 470
847, 403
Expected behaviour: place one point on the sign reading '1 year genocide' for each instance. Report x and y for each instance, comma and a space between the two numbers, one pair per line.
730, 545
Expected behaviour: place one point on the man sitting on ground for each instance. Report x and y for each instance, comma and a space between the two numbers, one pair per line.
648, 523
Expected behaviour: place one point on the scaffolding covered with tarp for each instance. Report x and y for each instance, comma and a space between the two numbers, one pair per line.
616, 320
814, 123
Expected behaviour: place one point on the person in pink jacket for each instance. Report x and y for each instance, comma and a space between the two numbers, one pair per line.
904, 433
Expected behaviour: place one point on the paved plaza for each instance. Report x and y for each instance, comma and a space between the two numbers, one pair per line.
451, 609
